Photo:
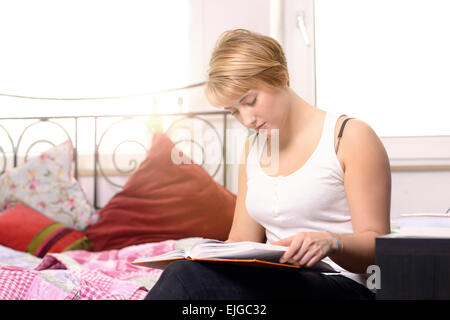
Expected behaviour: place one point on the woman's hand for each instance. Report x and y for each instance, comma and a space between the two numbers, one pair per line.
307, 248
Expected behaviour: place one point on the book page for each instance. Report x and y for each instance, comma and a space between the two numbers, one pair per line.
236, 250
178, 253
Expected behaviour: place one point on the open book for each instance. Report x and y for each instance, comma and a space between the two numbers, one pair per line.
244, 252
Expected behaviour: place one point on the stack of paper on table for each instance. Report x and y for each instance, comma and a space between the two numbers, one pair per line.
423, 224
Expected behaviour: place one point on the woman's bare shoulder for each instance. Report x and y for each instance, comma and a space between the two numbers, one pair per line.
359, 141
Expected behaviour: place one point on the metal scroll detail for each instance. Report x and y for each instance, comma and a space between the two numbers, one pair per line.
40, 140
187, 137
2, 151
196, 133
16, 148
35, 143
133, 163
191, 134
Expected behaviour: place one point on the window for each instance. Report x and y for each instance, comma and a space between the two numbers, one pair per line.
385, 61
79, 49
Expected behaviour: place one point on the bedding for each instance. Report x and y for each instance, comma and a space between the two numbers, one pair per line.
80, 274
46, 219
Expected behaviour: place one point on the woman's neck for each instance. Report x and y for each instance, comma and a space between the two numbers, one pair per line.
298, 118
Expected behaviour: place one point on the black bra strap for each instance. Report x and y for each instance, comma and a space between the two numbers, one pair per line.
342, 127
341, 131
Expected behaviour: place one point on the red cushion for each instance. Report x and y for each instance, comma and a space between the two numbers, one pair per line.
163, 200
24, 229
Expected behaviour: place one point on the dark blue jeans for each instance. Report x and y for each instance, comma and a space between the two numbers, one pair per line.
193, 280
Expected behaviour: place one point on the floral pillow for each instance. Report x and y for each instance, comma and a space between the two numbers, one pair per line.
46, 184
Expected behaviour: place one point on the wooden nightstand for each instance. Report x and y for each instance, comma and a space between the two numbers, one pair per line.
413, 267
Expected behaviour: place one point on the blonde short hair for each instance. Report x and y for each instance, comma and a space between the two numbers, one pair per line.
243, 60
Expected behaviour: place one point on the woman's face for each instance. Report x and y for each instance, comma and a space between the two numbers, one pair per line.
261, 109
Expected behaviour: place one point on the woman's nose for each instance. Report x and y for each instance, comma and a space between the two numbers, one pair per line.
248, 119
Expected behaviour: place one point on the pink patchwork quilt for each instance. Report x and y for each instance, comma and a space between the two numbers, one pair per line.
105, 275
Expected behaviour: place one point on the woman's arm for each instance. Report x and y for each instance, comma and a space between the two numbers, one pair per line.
244, 228
367, 182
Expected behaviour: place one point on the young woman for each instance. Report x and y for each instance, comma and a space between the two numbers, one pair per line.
323, 194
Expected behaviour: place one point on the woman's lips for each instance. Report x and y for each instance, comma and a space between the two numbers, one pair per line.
261, 126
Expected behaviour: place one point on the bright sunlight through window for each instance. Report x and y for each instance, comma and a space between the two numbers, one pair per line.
83, 48
385, 62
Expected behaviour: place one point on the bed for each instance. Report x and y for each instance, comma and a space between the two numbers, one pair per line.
80, 200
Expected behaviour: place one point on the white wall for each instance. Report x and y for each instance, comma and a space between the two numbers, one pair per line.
420, 191
209, 19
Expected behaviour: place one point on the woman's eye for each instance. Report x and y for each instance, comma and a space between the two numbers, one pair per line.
251, 103
234, 112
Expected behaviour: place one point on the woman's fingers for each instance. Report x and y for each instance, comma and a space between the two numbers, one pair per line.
306, 248
293, 248
303, 252
314, 260
311, 254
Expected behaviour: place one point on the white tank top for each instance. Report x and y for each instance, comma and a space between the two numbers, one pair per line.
311, 198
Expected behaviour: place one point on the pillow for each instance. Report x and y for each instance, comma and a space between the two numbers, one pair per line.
161, 201
47, 185
25, 229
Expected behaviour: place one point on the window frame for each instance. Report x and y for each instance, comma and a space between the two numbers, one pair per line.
410, 153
